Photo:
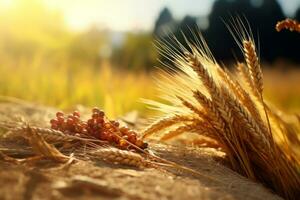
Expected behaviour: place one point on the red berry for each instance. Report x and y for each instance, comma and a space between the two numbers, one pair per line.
53, 121
104, 136
59, 114
100, 120
95, 110
84, 124
76, 118
90, 122
60, 119
115, 123
101, 113
123, 144
107, 125
139, 143
95, 115
115, 138
124, 129
110, 137
76, 113
132, 138
70, 121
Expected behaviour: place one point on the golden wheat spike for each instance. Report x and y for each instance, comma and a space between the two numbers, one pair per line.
121, 157
246, 77
211, 111
253, 65
289, 24
250, 125
203, 74
244, 97
210, 85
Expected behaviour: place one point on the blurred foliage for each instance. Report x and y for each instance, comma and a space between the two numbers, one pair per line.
262, 15
115, 91
42, 61
136, 53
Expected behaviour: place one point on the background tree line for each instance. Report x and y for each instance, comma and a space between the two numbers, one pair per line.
262, 16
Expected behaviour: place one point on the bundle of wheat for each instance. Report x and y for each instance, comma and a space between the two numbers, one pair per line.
206, 99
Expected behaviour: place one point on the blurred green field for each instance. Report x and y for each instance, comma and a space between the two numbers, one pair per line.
117, 92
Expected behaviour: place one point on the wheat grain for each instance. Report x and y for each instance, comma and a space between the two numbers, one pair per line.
121, 157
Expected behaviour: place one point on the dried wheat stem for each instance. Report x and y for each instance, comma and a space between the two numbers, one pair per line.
253, 65
202, 128
164, 123
290, 24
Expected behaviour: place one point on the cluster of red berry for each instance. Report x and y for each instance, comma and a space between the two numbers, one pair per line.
98, 127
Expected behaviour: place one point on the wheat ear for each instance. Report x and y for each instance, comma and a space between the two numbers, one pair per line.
122, 157
243, 116
253, 65
244, 97
210, 85
212, 112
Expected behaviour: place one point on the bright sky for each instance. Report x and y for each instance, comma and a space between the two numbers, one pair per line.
123, 15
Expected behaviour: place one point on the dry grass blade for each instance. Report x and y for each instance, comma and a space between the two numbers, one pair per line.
289, 24
41, 147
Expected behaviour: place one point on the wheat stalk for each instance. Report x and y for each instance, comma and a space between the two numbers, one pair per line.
254, 66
